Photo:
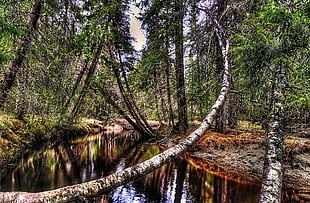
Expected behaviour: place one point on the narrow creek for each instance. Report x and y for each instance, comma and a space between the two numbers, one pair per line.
95, 156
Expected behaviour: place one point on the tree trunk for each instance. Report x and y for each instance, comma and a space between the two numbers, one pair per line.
144, 127
179, 69
109, 99
126, 95
78, 80
220, 125
14, 65
90, 73
272, 173
221, 120
233, 109
171, 116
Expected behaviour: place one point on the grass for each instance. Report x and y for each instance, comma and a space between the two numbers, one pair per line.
17, 136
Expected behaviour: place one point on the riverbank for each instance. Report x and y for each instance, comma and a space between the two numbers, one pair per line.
18, 137
239, 155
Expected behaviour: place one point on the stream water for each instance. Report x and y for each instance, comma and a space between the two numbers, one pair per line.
95, 156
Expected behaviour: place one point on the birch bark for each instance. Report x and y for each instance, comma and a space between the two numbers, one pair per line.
272, 172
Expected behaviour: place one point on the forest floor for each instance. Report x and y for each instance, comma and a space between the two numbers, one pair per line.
239, 155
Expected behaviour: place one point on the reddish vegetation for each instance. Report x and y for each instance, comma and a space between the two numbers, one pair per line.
239, 156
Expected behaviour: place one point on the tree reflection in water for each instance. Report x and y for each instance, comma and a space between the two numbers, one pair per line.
182, 182
94, 156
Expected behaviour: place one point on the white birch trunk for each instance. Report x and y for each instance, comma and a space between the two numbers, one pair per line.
272, 174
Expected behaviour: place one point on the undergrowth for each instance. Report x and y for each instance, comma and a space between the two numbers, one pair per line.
18, 136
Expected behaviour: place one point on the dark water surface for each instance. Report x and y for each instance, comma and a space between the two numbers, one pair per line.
95, 156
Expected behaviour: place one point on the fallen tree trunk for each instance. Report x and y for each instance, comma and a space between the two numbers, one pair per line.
105, 184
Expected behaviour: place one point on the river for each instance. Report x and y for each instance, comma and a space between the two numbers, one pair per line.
93, 156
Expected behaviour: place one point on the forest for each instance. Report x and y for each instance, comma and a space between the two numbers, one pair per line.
205, 67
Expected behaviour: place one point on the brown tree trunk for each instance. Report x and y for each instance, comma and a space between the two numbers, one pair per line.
220, 125
90, 73
144, 127
179, 69
233, 109
75, 87
127, 95
84, 70
14, 65
109, 99
221, 120
171, 116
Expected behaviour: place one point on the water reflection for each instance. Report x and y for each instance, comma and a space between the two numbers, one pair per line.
99, 155
182, 182
69, 163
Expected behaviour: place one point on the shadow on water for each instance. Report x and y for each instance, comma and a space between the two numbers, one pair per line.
95, 156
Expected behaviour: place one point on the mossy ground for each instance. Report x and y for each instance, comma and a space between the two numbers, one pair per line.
18, 136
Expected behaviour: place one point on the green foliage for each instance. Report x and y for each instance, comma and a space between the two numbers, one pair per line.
7, 32
277, 35
11, 27
150, 152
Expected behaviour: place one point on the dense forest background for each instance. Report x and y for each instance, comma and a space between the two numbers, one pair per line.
62, 60
242, 60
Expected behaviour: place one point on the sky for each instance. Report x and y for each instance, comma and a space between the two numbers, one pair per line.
135, 28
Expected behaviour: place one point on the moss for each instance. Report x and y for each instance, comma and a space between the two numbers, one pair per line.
20, 136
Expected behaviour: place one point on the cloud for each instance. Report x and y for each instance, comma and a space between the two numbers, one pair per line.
135, 28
